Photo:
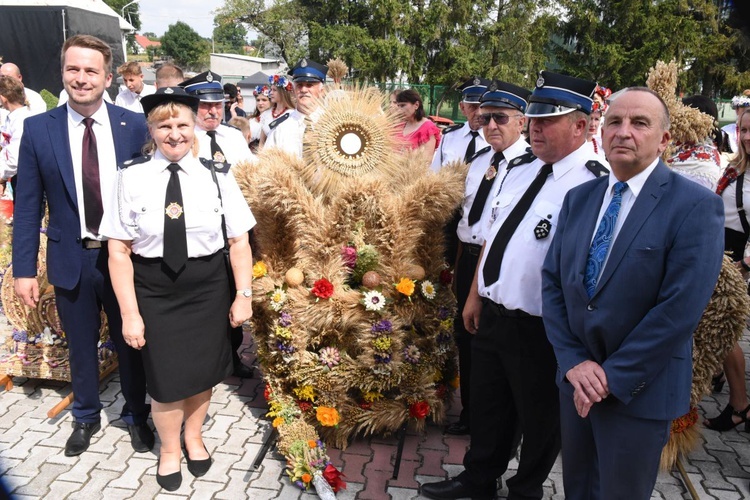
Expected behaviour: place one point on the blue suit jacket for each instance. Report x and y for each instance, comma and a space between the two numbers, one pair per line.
660, 274
45, 168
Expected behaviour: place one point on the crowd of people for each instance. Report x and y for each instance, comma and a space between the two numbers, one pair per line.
570, 250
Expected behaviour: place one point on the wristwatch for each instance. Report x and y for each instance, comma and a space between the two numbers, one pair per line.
245, 292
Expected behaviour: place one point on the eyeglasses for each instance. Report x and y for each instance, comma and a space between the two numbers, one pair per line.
499, 118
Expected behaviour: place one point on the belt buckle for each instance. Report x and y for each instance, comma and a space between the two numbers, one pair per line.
91, 244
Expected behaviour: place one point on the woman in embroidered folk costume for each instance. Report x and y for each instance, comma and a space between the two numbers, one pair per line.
171, 278
594, 136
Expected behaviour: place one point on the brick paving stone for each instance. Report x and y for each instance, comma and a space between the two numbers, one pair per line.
63, 489
8, 464
39, 485
269, 475
360, 446
433, 440
245, 461
411, 443
289, 492
457, 446
22, 448
203, 488
12, 482
81, 471
220, 427
132, 476
354, 466
402, 494
29, 465
236, 482
381, 458
431, 463
236, 442
405, 475
376, 485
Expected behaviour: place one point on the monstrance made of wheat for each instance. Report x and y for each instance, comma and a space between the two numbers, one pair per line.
353, 309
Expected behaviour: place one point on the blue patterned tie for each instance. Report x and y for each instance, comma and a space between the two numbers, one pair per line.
603, 240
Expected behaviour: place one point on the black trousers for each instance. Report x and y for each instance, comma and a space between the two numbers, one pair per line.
465, 267
513, 388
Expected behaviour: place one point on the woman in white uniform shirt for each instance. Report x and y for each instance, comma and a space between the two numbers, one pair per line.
282, 103
170, 300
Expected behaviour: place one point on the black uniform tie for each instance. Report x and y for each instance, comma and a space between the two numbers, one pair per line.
477, 206
491, 271
215, 146
175, 237
472, 147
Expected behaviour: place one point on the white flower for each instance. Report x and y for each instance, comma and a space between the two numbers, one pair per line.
374, 300
428, 289
278, 297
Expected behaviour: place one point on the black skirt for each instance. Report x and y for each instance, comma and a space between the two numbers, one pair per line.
734, 242
186, 320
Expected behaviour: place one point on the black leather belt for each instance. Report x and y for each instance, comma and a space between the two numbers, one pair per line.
90, 244
472, 249
501, 310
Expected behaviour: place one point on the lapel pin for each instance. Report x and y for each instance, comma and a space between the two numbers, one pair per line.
123, 123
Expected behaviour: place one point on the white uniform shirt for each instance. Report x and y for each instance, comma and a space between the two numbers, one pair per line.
453, 146
267, 117
36, 102
10, 141
731, 131
477, 170
520, 283
230, 140
107, 160
729, 197
288, 135
255, 129
132, 101
138, 216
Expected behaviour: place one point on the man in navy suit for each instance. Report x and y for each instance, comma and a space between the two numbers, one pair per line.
69, 157
631, 268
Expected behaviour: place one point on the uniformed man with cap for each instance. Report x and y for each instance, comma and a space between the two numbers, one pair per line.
513, 385
220, 142
499, 113
287, 131
217, 140
461, 141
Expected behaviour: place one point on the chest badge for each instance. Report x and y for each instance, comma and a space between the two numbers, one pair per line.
218, 156
173, 210
490, 173
542, 229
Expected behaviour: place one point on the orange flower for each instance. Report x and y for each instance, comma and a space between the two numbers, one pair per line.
405, 286
306, 478
259, 269
277, 421
312, 444
328, 417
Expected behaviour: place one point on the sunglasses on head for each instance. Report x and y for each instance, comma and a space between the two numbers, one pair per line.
499, 118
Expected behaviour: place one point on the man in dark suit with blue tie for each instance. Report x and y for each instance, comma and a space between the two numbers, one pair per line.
631, 268
69, 157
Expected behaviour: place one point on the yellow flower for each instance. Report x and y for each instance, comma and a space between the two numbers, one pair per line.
406, 286
312, 444
372, 396
305, 393
277, 421
306, 478
259, 269
328, 417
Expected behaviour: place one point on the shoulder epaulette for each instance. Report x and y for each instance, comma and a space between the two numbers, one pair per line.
278, 121
133, 161
230, 126
479, 153
597, 168
448, 130
221, 166
528, 157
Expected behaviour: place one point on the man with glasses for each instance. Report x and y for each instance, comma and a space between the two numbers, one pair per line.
513, 365
506, 103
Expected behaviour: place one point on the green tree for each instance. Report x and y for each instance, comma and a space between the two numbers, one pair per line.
131, 15
229, 36
185, 46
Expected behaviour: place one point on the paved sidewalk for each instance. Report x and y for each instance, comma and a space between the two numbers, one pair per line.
32, 463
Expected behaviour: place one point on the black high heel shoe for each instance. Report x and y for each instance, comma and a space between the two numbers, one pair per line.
723, 422
717, 382
198, 468
170, 482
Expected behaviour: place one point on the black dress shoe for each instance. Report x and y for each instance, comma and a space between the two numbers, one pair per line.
170, 482
453, 489
198, 468
243, 371
457, 429
79, 440
141, 437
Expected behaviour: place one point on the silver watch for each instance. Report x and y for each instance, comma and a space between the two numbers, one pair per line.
245, 292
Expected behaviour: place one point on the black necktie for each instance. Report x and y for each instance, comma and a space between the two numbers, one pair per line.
92, 191
477, 206
215, 147
491, 271
175, 238
472, 147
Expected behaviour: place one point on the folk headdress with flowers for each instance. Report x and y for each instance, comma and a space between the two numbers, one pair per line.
280, 81
741, 101
604, 93
262, 90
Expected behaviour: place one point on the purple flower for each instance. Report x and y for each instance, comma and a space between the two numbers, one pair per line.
20, 335
349, 256
383, 326
443, 313
288, 349
382, 358
285, 319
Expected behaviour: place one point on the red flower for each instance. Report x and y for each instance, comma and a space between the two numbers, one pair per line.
267, 392
323, 289
365, 405
446, 277
333, 476
304, 405
420, 409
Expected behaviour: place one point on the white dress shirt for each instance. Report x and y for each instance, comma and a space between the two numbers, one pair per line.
267, 117
10, 141
477, 170
289, 134
132, 101
105, 147
231, 141
139, 213
36, 102
453, 146
520, 282
729, 197
731, 131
